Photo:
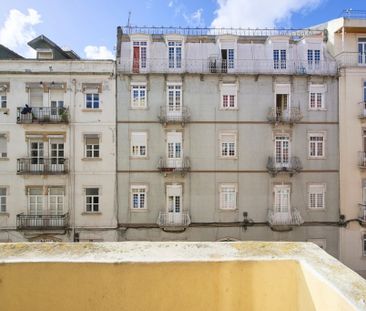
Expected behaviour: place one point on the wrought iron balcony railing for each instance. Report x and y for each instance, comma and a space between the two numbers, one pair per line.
168, 115
42, 166
362, 213
42, 222
181, 220
27, 115
181, 166
291, 165
291, 218
214, 65
362, 159
289, 116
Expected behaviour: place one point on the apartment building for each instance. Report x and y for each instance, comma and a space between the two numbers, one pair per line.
57, 146
347, 42
227, 134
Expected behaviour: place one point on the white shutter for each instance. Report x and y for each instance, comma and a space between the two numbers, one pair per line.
282, 88
174, 137
138, 138
174, 190
36, 97
229, 89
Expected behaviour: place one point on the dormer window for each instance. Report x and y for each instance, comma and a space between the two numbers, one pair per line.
175, 54
44, 54
139, 56
279, 59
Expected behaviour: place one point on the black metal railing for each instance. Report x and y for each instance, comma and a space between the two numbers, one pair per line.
42, 115
291, 165
170, 115
181, 166
42, 166
353, 14
290, 115
42, 222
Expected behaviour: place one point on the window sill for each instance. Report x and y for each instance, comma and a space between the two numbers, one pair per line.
91, 213
317, 158
5, 214
91, 110
229, 109
4, 159
138, 210
228, 158
138, 108
228, 209
317, 110
91, 159
316, 209
4, 110
138, 158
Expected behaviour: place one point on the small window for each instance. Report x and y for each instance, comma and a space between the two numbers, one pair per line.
138, 96
316, 196
364, 91
44, 54
139, 144
279, 59
3, 146
138, 197
228, 145
229, 96
3, 100
316, 145
316, 97
92, 147
364, 245
92, 200
2, 199
92, 100
228, 196
313, 57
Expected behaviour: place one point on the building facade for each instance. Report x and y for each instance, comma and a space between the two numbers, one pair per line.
227, 136
57, 146
347, 42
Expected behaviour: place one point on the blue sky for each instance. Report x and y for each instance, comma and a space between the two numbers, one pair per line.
78, 24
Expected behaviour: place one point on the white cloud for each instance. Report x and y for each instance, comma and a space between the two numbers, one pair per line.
195, 19
98, 52
18, 29
170, 4
258, 13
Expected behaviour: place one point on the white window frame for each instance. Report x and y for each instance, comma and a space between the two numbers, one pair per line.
143, 53
175, 45
312, 59
172, 106
225, 191
3, 100
314, 202
138, 190
93, 101
279, 194
94, 148
92, 204
225, 147
279, 63
318, 92
3, 199
316, 144
137, 150
229, 90
4, 150
141, 101
58, 198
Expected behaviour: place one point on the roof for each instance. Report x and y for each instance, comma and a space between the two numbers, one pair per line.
6, 53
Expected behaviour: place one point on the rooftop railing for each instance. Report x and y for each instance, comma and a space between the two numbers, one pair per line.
239, 66
290, 115
181, 220
206, 31
27, 115
354, 14
42, 222
291, 165
42, 166
291, 218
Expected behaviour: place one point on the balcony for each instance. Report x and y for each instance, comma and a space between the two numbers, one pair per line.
351, 59
289, 116
282, 221
174, 166
290, 166
362, 159
168, 116
42, 222
174, 221
42, 115
42, 166
212, 65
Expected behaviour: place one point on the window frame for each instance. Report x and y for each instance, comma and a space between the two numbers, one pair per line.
225, 206
313, 189
228, 148
138, 155
139, 189
176, 61
4, 200
140, 87
310, 142
317, 90
4, 136
92, 204
93, 149
228, 90
93, 101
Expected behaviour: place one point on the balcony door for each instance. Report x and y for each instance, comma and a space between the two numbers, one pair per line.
56, 198
282, 151
35, 201
174, 149
281, 206
282, 106
174, 104
362, 51
57, 153
36, 148
139, 56
174, 203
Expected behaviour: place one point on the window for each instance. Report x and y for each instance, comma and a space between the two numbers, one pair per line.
139, 144
316, 145
175, 54
228, 96
3, 146
3, 100
313, 58
316, 196
138, 96
316, 97
227, 58
282, 151
364, 245
92, 100
92, 147
56, 200
364, 91
36, 96
35, 201
92, 200
139, 56
56, 103
174, 99
282, 199
279, 59
228, 196
138, 197
228, 145
2, 199
362, 51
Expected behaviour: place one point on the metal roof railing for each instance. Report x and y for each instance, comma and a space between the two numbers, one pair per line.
354, 14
